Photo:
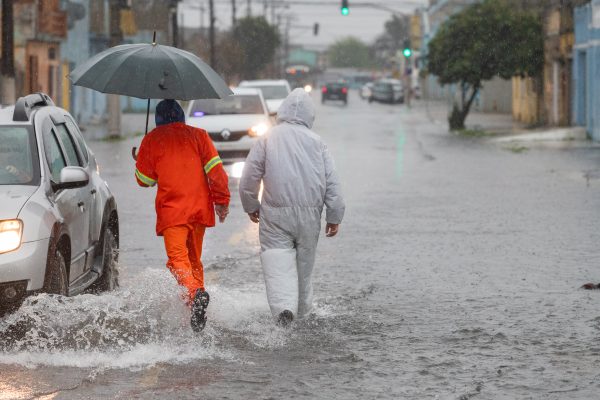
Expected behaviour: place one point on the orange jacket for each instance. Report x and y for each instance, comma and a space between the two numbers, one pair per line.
190, 175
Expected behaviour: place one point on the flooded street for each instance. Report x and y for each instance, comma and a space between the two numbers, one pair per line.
455, 275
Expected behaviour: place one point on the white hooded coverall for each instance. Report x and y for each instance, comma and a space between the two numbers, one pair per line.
299, 178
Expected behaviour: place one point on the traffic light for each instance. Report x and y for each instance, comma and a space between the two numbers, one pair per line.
407, 50
345, 8
316, 29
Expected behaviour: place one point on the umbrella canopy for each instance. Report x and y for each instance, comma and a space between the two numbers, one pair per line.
150, 71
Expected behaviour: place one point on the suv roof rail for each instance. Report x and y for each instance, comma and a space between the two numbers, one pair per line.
25, 105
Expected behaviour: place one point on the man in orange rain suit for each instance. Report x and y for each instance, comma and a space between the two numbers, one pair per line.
192, 186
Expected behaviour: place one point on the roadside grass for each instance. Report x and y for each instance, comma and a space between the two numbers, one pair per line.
517, 149
473, 133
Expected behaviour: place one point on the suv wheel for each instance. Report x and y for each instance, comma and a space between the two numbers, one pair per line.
109, 280
56, 279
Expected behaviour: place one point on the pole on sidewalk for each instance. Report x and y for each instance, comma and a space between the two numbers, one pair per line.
8, 91
211, 32
134, 149
113, 102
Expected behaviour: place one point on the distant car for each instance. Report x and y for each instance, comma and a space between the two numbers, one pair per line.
366, 91
334, 91
387, 91
234, 124
273, 91
59, 227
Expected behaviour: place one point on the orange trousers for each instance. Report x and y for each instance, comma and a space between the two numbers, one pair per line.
184, 250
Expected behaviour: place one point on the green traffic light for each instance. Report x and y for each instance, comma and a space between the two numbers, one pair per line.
407, 52
345, 11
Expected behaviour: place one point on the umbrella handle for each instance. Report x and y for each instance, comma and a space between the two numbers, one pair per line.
134, 153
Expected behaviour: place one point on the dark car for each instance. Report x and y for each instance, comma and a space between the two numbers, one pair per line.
335, 91
387, 91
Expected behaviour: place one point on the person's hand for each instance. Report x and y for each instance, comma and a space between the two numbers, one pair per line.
12, 169
331, 229
222, 211
255, 216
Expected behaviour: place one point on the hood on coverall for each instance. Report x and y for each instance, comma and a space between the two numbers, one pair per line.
297, 108
299, 179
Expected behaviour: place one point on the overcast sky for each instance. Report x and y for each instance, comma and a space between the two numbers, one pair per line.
365, 23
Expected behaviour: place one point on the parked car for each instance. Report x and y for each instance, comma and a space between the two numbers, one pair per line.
388, 91
234, 124
366, 91
334, 91
59, 227
274, 91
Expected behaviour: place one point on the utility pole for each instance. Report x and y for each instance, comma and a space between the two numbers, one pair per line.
113, 100
175, 22
249, 8
211, 32
8, 94
233, 12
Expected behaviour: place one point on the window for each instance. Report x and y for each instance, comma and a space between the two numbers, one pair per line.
54, 156
68, 145
16, 158
74, 130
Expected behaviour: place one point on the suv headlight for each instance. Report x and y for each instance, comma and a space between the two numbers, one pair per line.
258, 130
11, 233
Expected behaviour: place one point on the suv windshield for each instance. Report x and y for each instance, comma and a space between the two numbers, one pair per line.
17, 150
236, 104
272, 91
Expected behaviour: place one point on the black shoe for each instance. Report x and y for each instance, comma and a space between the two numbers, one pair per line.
285, 318
199, 306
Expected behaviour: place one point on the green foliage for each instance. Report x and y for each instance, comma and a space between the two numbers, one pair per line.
349, 52
483, 41
257, 41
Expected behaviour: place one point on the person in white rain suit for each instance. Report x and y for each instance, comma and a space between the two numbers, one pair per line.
299, 179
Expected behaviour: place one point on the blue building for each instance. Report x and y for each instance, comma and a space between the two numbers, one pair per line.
586, 68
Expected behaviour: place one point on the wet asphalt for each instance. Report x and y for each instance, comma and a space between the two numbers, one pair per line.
456, 275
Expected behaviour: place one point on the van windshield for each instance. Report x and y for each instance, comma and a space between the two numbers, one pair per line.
17, 165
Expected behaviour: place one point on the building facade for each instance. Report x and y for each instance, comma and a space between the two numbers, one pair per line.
586, 67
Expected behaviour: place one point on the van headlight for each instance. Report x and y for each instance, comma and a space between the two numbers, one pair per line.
258, 130
11, 233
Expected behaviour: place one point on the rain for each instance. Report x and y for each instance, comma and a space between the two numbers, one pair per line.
451, 175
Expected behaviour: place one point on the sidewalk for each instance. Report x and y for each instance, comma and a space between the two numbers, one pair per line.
501, 127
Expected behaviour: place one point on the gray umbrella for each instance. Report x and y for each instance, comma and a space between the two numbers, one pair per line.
150, 71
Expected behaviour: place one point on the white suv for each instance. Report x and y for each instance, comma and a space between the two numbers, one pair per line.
59, 227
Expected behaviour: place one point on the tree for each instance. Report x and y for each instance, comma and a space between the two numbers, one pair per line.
349, 52
483, 41
257, 41
230, 58
386, 46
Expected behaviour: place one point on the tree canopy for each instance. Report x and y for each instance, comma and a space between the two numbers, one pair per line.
257, 41
483, 41
349, 52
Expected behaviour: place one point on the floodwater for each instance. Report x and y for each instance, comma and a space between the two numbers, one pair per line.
456, 275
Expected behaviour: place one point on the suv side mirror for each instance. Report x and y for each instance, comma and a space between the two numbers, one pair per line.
71, 178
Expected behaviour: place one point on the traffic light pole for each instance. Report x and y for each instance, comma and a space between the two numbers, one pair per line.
354, 4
